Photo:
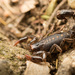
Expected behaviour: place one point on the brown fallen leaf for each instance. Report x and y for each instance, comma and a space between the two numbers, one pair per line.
71, 3
14, 30
27, 5
36, 69
15, 1
9, 7
45, 2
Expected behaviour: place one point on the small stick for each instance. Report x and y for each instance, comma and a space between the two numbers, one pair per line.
55, 32
14, 18
51, 29
5, 9
56, 63
2, 21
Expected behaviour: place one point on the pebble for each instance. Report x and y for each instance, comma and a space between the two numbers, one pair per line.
5, 68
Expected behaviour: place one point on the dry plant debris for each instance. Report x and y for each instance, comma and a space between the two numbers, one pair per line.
67, 63
28, 5
71, 3
36, 69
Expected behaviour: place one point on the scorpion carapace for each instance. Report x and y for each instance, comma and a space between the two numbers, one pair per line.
58, 42
46, 43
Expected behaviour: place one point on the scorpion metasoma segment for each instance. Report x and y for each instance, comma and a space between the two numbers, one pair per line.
58, 42
63, 14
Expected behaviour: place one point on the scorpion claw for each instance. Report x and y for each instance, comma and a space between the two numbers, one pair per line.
35, 59
28, 57
21, 40
16, 43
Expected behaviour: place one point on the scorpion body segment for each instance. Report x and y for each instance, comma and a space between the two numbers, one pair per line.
65, 13
46, 43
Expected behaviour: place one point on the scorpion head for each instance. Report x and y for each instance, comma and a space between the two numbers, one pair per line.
36, 47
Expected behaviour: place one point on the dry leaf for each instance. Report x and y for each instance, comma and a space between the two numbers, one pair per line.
45, 2
28, 5
9, 7
71, 3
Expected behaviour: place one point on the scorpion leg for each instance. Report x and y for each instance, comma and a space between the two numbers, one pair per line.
36, 58
69, 40
55, 47
66, 43
25, 39
42, 54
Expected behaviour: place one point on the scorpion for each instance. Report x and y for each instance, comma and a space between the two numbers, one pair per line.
57, 42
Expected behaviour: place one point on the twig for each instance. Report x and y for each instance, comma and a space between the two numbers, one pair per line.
6, 3
5, 9
50, 31
19, 19
2, 21
15, 18
61, 29
54, 13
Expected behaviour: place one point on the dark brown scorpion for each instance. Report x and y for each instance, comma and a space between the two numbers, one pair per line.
58, 42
